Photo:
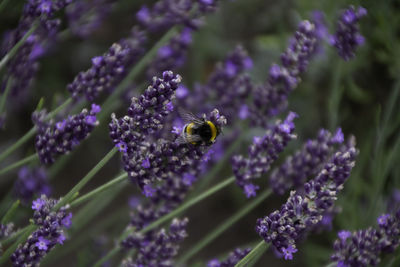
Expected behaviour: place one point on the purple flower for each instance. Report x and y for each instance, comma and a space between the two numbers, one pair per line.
233, 258
282, 228
50, 232
164, 243
304, 163
171, 56
31, 181
288, 252
250, 190
108, 70
347, 37
42, 243
343, 235
146, 163
60, 138
85, 17
23, 66
66, 221
262, 153
270, 98
148, 190
38, 204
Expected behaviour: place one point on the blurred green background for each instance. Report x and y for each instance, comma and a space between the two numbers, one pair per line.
361, 96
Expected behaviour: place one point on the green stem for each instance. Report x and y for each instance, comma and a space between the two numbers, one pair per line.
99, 189
203, 183
15, 48
19, 163
109, 255
336, 95
10, 213
6, 255
224, 226
169, 216
248, 260
86, 179
19, 143
5, 94
188, 204
53, 113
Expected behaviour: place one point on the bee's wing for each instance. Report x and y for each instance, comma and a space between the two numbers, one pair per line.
190, 117
186, 138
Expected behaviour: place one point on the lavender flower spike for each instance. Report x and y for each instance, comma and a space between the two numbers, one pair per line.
50, 232
305, 163
271, 98
262, 153
31, 181
363, 247
161, 248
60, 138
282, 228
347, 37
233, 258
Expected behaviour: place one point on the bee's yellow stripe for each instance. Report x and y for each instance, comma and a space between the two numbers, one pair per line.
189, 128
213, 130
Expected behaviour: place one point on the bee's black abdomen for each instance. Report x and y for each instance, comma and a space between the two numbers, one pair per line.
204, 131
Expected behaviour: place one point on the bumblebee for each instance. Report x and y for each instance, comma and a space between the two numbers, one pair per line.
197, 131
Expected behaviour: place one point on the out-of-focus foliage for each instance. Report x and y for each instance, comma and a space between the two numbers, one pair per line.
361, 96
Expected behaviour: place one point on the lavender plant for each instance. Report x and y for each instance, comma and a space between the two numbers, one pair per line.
182, 191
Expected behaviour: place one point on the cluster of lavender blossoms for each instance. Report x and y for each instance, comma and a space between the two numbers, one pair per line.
50, 232
107, 71
270, 98
304, 163
24, 65
31, 181
282, 228
233, 258
6, 230
347, 37
262, 153
147, 160
85, 17
363, 248
60, 138
161, 248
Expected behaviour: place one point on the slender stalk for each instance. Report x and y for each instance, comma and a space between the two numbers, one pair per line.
182, 208
86, 179
188, 204
6, 255
5, 94
53, 113
16, 47
218, 166
17, 144
99, 189
248, 260
19, 163
109, 256
224, 226
10, 213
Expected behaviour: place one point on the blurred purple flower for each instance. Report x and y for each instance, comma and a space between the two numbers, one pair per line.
60, 138
262, 153
49, 233
347, 37
233, 258
31, 182
282, 228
